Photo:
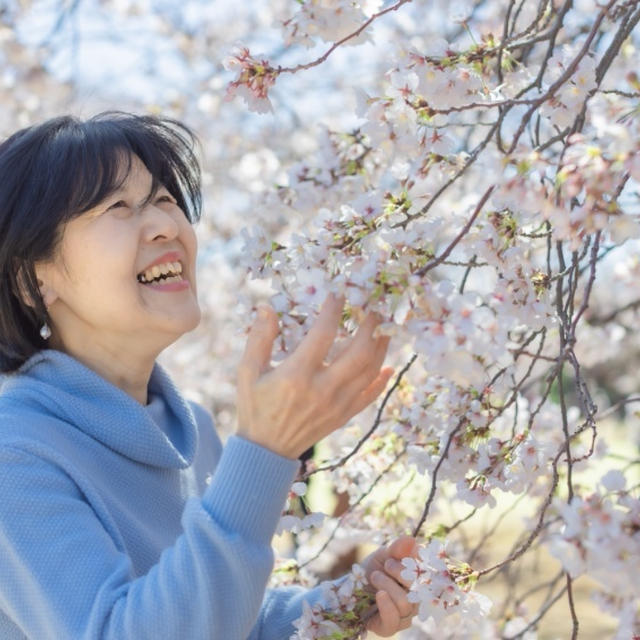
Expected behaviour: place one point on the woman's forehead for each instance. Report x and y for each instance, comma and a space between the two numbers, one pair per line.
133, 172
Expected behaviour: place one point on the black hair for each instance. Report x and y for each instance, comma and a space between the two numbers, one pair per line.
53, 172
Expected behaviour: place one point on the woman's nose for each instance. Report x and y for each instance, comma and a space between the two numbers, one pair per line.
158, 224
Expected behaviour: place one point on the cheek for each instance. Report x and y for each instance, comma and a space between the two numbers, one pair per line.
192, 247
190, 243
101, 267
190, 240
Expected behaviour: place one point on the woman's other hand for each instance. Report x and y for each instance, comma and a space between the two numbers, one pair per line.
290, 407
383, 569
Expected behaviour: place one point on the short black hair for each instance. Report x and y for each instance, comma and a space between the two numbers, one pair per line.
53, 172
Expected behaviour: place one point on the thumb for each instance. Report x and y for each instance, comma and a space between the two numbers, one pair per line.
403, 547
257, 351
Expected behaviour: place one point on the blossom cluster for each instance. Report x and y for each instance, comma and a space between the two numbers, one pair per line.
326, 20
255, 78
296, 516
340, 614
599, 535
443, 587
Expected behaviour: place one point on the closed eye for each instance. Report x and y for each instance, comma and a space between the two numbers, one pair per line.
166, 198
117, 205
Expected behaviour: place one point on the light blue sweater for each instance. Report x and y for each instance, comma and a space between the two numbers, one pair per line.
128, 522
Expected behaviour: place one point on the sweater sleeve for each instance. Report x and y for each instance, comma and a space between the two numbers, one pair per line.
280, 609
65, 576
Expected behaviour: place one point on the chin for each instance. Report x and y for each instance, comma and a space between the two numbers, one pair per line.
193, 320
196, 320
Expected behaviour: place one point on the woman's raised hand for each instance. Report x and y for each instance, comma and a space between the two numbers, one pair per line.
290, 407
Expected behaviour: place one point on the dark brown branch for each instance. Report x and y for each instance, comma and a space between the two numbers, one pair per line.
572, 609
445, 254
333, 466
569, 71
335, 45
614, 47
434, 478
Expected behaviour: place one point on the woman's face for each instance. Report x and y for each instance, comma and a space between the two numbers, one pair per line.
124, 274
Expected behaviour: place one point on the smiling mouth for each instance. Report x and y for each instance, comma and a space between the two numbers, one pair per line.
161, 273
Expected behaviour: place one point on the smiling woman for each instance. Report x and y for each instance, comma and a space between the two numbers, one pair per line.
88, 180
121, 514
108, 300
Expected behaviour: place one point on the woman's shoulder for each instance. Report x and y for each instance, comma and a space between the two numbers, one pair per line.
26, 425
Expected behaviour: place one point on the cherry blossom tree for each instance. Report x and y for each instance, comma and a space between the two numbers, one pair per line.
470, 171
493, 168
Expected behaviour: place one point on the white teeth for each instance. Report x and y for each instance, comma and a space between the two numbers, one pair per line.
162, 269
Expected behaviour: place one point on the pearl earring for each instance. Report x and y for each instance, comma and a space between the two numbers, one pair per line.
45, 331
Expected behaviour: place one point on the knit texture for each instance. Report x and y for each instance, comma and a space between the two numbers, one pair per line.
128, 522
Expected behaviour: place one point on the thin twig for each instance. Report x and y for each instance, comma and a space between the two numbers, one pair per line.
335, 45
333, 466
445, 254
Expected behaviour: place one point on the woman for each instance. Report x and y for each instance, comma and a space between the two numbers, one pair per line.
121, 516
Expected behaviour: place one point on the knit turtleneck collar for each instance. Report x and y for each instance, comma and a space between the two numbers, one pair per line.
70, 391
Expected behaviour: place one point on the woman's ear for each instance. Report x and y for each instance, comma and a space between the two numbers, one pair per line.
47, 293
25, 292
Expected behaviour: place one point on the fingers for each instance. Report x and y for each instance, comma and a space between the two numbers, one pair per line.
402, 547
370, 393
396, 592
366, 372
316, 344
388, 619
257, 352
395, 612
394, 568
363, 351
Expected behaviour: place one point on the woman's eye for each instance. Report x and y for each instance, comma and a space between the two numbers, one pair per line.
166, 198
117, 205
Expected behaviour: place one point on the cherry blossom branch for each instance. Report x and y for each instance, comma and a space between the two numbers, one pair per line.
565, 431
541, 613
339, 463
572, 609
472, 158
618, 405
463, 232
335, 45
564, 449
494, 527
550, 585
452, 527
505, 35
434, 477
612, 51
553, 34
362, 496
568, 72
592, 277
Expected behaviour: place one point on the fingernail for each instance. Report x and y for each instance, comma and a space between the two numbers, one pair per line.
263, 314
